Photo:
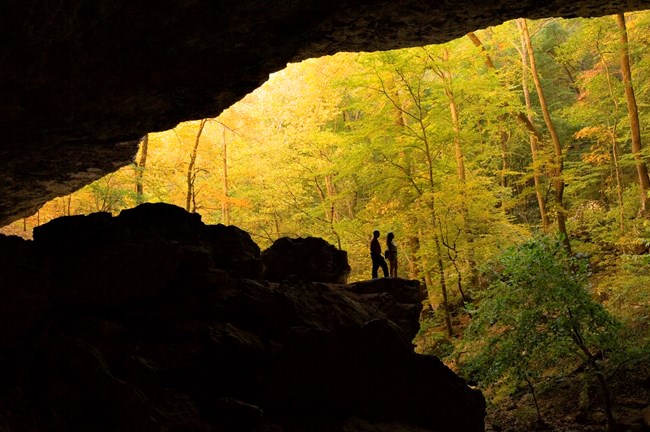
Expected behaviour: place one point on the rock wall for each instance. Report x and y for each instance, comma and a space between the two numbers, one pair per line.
153, 321
82, 81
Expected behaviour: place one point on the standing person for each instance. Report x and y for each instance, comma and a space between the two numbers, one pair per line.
391, 254
377, 259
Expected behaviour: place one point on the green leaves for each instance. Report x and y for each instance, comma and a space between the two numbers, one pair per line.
536, 311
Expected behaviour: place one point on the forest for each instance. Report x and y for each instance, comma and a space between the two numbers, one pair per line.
511, 166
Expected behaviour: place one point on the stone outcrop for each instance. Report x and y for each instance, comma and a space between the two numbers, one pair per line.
153, 321
82, 81
311, 259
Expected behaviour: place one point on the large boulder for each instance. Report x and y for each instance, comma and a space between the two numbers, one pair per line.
398, 300
310, 259
99, 259
136, 326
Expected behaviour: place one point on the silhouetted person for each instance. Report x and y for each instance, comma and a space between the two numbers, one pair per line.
377, 258
391, 254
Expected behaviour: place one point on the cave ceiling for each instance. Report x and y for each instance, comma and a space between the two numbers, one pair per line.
82, 81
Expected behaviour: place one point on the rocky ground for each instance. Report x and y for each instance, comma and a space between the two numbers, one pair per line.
568, 405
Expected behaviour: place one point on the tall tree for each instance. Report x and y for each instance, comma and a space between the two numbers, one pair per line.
140, 165
532, 137
558, 159
417, 124
190, 197
593, 50
633, 115
447, 84
526, 120
225, 205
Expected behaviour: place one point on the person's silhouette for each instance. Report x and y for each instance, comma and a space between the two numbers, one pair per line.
391, 254
377, 259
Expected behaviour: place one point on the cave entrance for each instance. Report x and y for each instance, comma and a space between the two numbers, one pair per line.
460, 150
446, 146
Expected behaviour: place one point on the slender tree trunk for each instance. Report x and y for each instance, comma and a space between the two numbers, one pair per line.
414, 247
503, 145
225, 206
527, 122
330, 189
460, 166
574, 85
426, 274
593, 364
277, 224
428, 280
459, 283
436, 236
503, 135
619, 185
191, 174
419, 119
613, 134
447, 79
633, 115
558, 160
609, 413
534, 393
440, 270
455, 122
140, 165
443, 285
478, 44
533, 138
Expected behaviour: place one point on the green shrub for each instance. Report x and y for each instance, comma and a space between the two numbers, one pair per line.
537, 319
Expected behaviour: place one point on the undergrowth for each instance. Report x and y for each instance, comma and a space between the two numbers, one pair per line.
544, 386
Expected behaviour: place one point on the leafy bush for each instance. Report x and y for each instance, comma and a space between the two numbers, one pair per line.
537, 319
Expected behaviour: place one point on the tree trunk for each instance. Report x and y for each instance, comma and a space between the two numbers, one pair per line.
527, 122
277, 224
613, 134
428, 281
460, 166
478, 44
593, 364
330, 188
436, 237
558, 160
443, 285
140, 165
429, 157
225, 206
191, 174
426, 274
633, 115
619, 186
459, 274
534, 394
447, 80
503, 145
411, 256
533, 138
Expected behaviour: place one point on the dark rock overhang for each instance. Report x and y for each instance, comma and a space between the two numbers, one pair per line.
81, 82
